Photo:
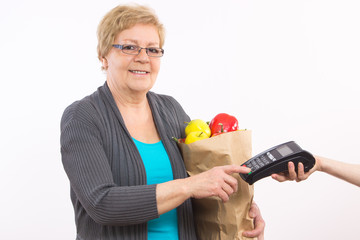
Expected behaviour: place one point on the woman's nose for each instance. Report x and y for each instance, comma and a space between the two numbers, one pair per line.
142, 56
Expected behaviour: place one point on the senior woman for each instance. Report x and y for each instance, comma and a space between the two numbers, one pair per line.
127, 176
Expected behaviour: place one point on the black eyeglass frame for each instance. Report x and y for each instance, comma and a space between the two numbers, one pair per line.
121, 47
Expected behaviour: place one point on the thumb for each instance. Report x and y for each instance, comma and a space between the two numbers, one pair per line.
252, 213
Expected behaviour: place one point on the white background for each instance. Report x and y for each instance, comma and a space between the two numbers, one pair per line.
288, 70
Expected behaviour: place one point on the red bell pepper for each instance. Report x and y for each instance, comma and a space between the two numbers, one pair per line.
222, 123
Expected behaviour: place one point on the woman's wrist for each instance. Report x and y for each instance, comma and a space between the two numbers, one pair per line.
319, 165
186, 187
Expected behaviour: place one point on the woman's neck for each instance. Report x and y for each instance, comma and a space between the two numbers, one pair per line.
137, 116
127, 99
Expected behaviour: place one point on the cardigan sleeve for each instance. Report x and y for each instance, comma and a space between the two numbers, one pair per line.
89, 172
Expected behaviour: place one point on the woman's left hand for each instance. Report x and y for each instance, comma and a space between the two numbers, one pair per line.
259, 223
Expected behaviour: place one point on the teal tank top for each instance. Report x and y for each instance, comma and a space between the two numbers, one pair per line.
158, 170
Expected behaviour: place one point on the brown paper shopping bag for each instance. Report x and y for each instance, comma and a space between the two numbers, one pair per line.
215, 219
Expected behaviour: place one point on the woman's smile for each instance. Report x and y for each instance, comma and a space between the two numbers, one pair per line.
139, 72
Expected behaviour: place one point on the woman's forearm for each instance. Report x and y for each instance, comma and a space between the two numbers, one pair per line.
345, 171
216, 182
170, 195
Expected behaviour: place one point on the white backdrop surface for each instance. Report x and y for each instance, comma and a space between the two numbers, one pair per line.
288, 70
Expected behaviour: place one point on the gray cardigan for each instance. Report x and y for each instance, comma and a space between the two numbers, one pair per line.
107, 177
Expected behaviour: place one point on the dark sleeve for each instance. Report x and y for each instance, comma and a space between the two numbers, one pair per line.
90, 176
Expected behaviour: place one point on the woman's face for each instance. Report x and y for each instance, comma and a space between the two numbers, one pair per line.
133, 73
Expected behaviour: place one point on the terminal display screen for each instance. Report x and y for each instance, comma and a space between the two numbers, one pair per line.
284, 150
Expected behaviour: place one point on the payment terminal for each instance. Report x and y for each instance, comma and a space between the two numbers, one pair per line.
275, 160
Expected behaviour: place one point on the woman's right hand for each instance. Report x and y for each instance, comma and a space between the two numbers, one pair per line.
299, 176
215, 182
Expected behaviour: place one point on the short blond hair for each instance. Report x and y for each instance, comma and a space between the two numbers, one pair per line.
121, 18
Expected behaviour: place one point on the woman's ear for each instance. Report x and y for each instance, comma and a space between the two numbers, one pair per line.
104, 62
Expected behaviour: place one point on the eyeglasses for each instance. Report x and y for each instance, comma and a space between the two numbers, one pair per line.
135, 50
